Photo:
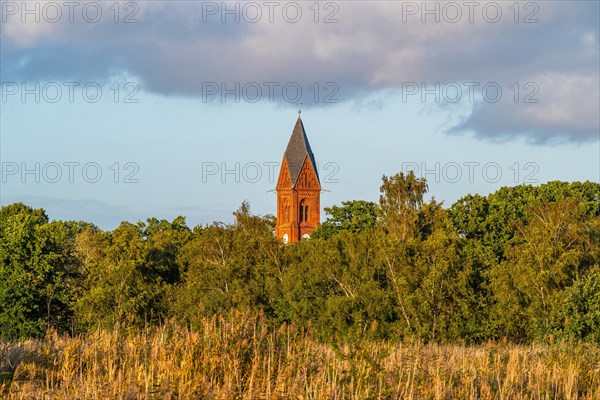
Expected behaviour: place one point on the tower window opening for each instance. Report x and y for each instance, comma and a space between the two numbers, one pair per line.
303, 211
301, 216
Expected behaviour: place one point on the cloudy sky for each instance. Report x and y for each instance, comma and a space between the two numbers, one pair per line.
116, 111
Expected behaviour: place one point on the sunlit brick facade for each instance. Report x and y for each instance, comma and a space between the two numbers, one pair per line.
298, 190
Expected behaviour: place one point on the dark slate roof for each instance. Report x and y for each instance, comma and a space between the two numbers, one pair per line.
296, 152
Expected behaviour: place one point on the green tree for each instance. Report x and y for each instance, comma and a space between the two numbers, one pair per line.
353, 216
38, 272
551, 250
129, 272
580, 313
229, 266
401, 205
493, 219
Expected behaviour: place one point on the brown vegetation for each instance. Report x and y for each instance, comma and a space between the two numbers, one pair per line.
240, 357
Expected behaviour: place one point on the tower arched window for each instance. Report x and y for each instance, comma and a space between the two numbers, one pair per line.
287, 213
301, 216
303, 211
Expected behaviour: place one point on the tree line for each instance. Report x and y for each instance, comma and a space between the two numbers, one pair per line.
521, 264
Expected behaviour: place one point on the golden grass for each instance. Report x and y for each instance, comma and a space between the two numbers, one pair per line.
240, 358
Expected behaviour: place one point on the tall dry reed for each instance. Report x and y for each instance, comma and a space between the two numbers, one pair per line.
239, 358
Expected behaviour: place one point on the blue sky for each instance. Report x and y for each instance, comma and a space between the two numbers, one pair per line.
182, 110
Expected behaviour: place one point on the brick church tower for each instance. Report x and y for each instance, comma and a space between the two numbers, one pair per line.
298, 189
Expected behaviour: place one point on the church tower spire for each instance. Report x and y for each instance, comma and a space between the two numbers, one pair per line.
298, 189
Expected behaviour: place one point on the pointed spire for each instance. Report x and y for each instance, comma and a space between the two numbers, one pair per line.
297, 151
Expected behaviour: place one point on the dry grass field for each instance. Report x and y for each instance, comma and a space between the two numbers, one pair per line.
239, 358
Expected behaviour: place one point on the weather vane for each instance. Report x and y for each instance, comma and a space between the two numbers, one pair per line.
299, 104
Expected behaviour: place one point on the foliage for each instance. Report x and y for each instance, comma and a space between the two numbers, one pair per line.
548, 254
520, 264
129, 272
580, 313
38, 271
353, 216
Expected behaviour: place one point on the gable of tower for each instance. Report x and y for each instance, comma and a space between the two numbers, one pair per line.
284, 181
308, 178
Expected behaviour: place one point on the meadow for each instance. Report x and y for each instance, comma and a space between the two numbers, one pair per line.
241, 358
